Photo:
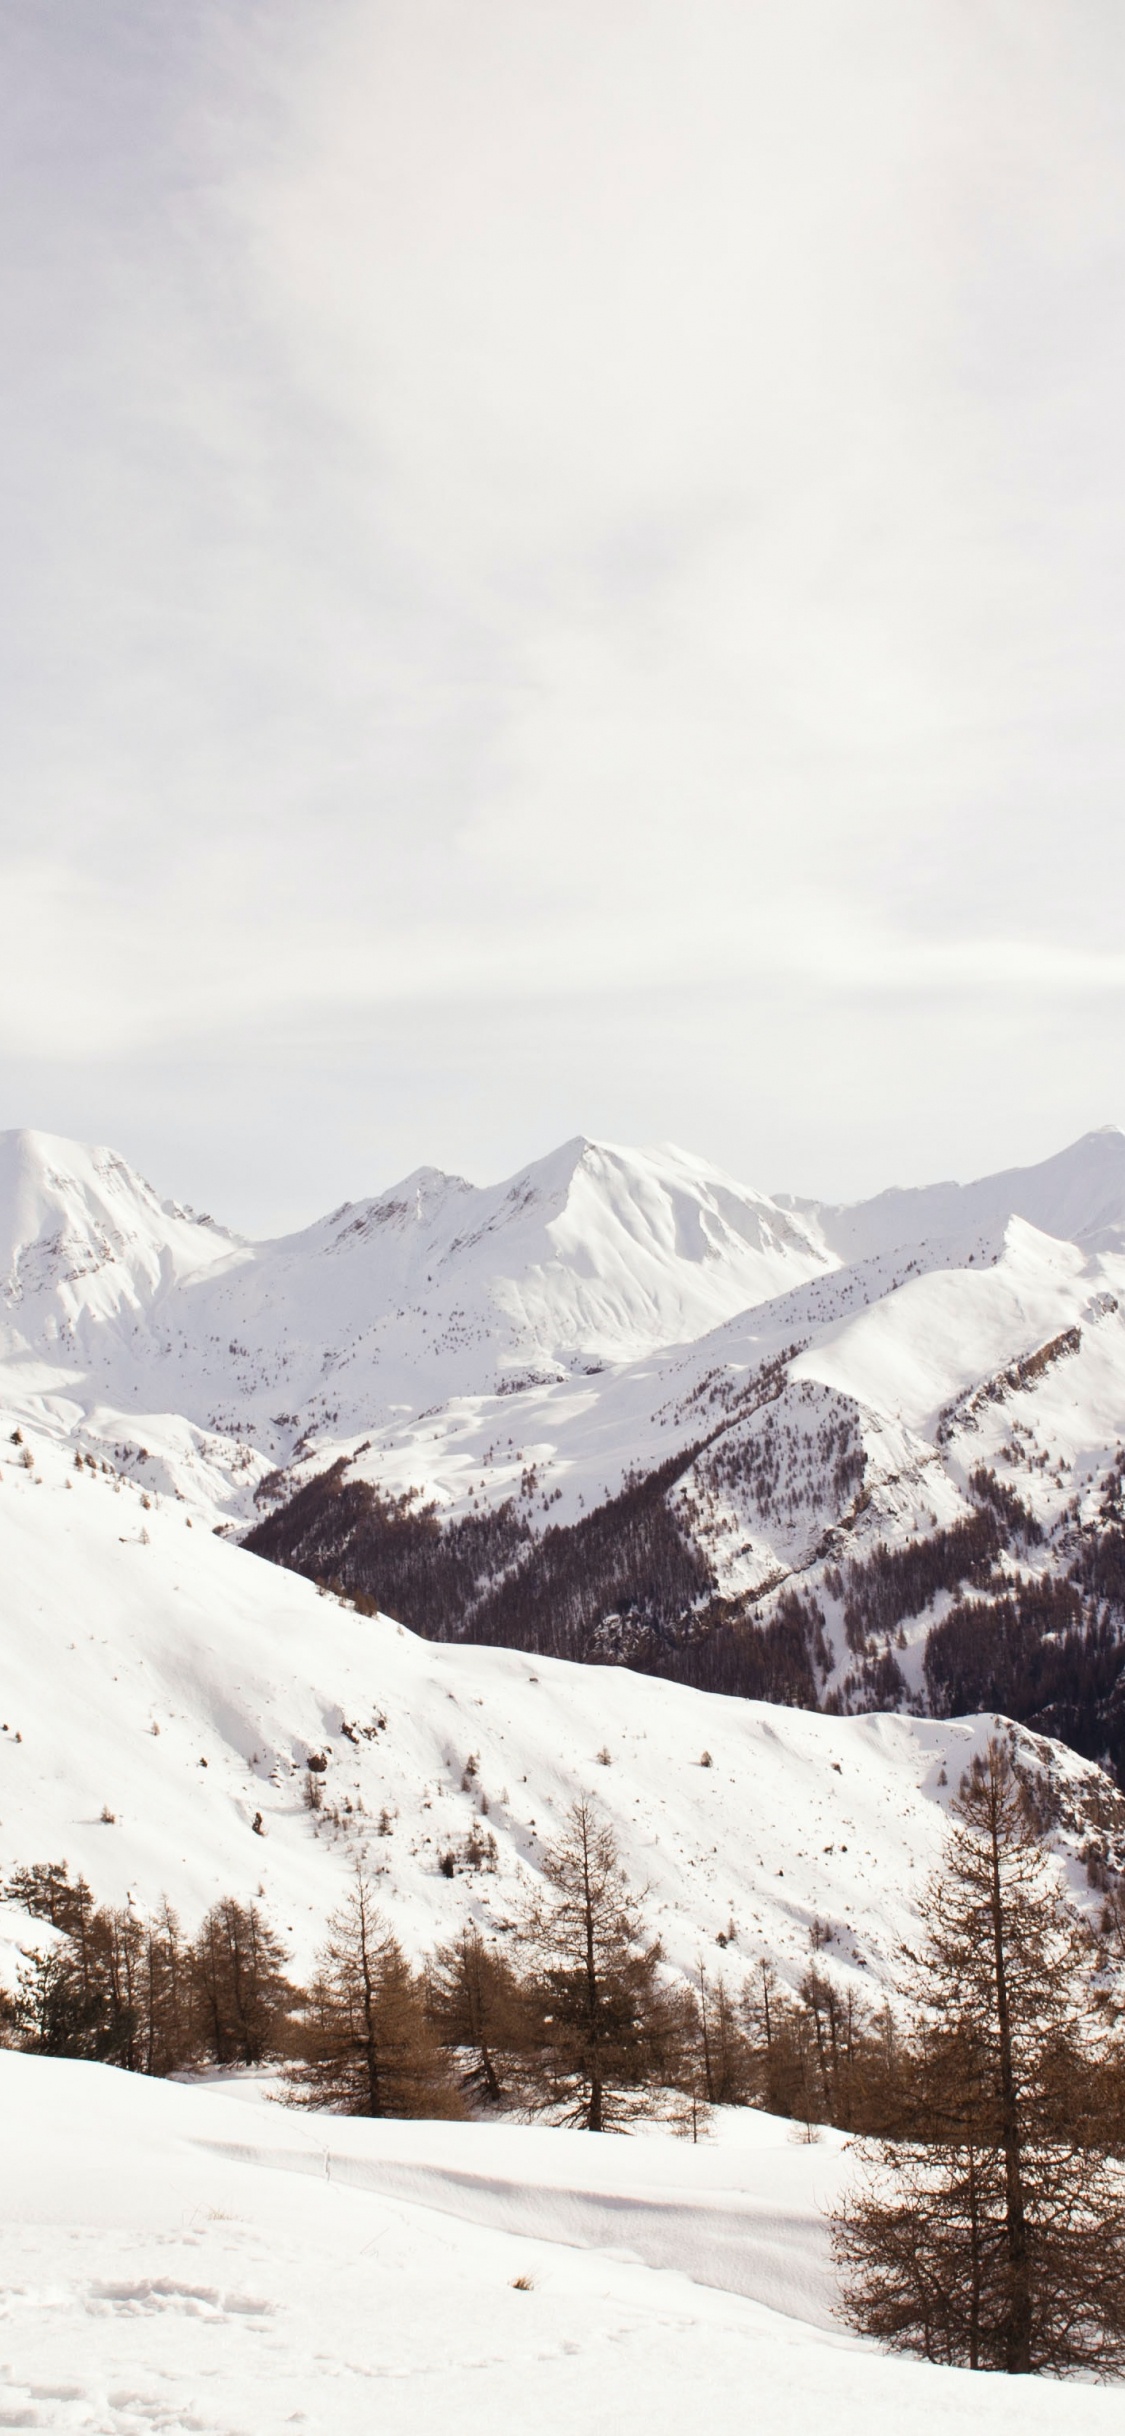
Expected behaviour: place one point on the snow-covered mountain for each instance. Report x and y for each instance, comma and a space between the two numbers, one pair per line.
1078, 1195
117, 1304
85, 1244
896, 1484
164, 1691
631, 1410
157, 1327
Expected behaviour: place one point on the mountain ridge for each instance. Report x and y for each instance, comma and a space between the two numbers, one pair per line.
1084, 1181
622, 1408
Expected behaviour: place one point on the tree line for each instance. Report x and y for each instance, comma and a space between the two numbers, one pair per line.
572, 2016
986, 2225
120, 1987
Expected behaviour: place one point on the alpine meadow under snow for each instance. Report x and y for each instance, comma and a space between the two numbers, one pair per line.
553, 1475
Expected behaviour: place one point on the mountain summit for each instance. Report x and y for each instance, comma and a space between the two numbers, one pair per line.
589, 1257
592, 1258
82, 1236
620, 1406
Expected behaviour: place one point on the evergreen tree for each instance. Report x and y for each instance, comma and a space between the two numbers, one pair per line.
55, 2013
367, 2046
242, 1997
608, 2037
477, 2006
993, 2236
723, 2048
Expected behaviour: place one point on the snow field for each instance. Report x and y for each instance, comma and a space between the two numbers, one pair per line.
172, 2259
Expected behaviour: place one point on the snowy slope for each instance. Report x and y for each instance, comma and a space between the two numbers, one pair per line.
151, 1671
919, 1374
173, 2259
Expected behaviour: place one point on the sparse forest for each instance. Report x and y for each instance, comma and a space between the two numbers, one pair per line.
987, 2227
572, 2017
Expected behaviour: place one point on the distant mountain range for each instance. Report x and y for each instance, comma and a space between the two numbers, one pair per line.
623, 1408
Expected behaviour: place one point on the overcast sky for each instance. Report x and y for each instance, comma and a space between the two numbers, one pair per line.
563, 570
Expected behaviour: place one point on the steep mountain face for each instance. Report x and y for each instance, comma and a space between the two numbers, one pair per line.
897, 1487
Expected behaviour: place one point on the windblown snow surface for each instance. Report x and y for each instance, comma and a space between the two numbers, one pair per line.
171, 2259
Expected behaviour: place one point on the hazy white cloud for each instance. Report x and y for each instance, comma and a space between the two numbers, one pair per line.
570, 508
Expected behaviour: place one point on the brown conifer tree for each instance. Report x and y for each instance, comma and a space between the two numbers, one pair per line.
477, 2007
781, 2055
993, 2236
118, 1941
170, 2035
367, 2046
242, 1996
124, 1989
609, 2037
724, 2050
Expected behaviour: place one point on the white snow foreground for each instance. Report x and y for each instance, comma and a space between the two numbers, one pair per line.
171, 2259
162, 1690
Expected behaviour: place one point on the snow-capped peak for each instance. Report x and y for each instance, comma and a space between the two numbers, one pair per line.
82, 1231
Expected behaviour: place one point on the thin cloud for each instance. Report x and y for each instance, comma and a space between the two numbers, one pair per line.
507, 505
